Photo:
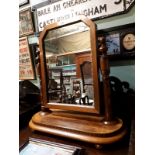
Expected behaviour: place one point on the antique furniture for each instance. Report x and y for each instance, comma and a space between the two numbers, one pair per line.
70, 112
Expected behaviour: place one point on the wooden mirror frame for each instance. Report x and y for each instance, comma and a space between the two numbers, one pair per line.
45, 102
69, 121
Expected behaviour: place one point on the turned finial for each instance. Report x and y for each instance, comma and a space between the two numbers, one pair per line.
102, 45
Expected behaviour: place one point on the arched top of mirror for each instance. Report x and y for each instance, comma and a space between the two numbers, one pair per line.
69, 66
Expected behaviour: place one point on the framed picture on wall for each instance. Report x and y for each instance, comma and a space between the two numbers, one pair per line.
120, 41
25, 22
23, 2
26, 67
127, 39
113, 43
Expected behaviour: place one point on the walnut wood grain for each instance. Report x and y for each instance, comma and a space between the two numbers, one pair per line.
74, 121
89, 130
105, 71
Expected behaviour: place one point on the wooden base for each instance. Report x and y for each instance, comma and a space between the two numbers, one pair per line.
86, 128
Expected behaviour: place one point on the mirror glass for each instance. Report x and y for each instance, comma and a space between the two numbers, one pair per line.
69, 65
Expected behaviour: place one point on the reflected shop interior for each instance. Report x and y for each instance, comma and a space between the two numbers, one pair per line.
68, 65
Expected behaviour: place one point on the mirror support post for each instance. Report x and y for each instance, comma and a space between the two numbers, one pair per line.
105, 70
38, 71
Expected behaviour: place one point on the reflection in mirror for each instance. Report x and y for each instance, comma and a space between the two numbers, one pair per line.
68, 63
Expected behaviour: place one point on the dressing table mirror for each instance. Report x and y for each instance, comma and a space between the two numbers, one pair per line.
65, 51
70, 89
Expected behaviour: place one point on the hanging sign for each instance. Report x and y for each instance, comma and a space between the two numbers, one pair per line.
35, 2
67, 9
26, 70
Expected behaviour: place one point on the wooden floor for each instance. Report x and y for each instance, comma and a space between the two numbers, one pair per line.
119, 148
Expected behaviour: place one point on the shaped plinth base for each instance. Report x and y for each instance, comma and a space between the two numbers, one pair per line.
86, 128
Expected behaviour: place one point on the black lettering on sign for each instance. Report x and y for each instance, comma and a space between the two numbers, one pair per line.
44, 11
104, 7
56, 8
99, 10
117, 1
65, 17
71, 3
93, 11
44, 23
40, 25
